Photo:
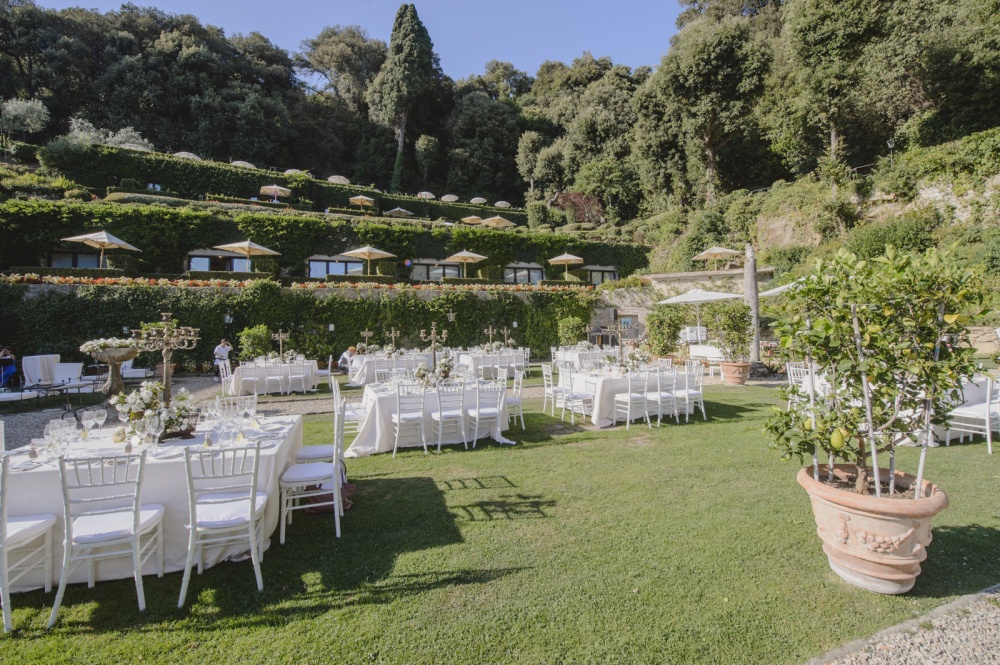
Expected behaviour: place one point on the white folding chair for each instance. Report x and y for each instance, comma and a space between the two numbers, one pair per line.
581, 401
104, 518
552, 393
224, 505
354, 412
982, 418
489, 397
296, 375
249, 376
692, 395
662, 397
25, 544
315, 479
274, 373
515, 409
328, 372
409, 414
450, 411
633, 403
225, 378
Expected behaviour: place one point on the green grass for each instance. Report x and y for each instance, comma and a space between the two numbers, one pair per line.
687, 544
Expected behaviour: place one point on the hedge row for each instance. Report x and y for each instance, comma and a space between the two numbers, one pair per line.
106, 166
66, 272
31, 228
59, 321
363, 279
467, 280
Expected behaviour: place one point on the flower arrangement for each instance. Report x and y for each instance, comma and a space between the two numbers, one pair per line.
423, 374
147, 400
366, 349
635, 358
445, 367
107, 343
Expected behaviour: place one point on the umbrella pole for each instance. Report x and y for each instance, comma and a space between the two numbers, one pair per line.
100, 261
465, 270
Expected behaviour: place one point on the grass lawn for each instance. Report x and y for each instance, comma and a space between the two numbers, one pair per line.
687, 544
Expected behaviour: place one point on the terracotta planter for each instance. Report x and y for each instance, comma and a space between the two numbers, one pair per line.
735, 374
158, 371
114, 358
873, 543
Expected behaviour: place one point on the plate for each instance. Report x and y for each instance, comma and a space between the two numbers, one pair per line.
25, 465
168, 453
272, 427
269, 443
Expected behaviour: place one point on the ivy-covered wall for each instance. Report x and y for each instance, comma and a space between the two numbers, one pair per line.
165, 235
58, 321
106, 166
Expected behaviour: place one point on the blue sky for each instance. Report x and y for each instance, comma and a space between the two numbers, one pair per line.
466, 33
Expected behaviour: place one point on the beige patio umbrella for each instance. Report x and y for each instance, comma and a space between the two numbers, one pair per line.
502, 204
243, 165
498, 223
478, 200
449, 198
565, 260
465, 257
472, 220
425, 195
339, 180
102, 240
274, 191
368, 253
294, 171
716, 254
398, 212
361, 200
187, 155
248, 249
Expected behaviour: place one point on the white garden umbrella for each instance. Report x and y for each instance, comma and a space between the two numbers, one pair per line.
274, 191
465, 257
498, 223
243, 165
247, 248
565, 260
696, 297
449, 198
778, 290
478, 200
339, 180
425, 195
502, 204
294, 171
187, 155
398, 212
102, 240
368, 253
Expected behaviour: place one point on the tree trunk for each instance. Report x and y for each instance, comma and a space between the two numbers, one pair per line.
750, 294
711, 169
397, 170
531, 184
834, 152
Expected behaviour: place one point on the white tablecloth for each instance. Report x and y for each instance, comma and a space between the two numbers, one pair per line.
577, 358
241, 388
376, 435
362, 370
476, 360
40, 491
605, 388
39, 369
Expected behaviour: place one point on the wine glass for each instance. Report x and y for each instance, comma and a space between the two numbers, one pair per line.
100, 416
89, 419
155, 425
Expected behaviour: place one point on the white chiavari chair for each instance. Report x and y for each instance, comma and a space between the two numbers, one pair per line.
409, 416
450, 412
319, 481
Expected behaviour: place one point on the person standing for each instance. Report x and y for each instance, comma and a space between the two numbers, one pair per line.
221, 356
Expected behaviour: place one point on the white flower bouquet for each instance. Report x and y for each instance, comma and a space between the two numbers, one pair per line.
107, 343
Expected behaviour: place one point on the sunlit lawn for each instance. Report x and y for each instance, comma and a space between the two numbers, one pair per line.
687, 544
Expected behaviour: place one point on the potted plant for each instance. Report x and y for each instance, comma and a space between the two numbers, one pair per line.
887, 341
732, 328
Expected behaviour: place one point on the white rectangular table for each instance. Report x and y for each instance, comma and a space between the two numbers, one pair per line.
164, 482
362, 371
376, 435
260, 373
605, 388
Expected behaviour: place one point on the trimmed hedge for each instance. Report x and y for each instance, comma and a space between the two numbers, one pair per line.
58, 321
210, 198
467, 280
223, 274
362, 279
145, 199
25, 153
105, 166
30, 228
66, 272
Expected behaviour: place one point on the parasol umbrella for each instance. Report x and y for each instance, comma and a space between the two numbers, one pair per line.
425, 195
368, 253
274, 191
465, 257
398, 212
187, 155
361, 200
339, 180
294, 171
247, 248
565, 260
243, 165
716, 253
478, 200
498, 223
472, 220
696, 297
784, 288
449, 198
102, 240
135, 146
502, 204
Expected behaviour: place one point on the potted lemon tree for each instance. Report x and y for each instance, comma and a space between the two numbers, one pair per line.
887, 344
731, 326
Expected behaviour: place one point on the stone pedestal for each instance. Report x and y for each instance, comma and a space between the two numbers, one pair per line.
114, 358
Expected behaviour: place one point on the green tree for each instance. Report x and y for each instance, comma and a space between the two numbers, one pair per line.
346, 58
22, 117
483, 135
528, 147
428, 152
403, 78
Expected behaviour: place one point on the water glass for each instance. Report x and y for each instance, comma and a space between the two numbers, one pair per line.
100, 416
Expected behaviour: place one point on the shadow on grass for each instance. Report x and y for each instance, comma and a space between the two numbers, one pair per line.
960, 560
480, 483
313, 573
511, 507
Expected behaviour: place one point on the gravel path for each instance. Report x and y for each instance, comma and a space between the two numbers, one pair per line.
965, 632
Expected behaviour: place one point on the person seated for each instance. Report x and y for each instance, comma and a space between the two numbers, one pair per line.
8, 366
344, 364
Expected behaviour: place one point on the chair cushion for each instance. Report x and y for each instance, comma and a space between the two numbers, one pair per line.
320, 452
27, 528
90, 529
513, 400
630, 397
449, 413
355, 414
226, 509
657, 397
396, 417
301, 474
580, 396
688, 393
486, 412
971, 411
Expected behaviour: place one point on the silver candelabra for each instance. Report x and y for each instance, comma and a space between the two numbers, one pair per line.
166, 337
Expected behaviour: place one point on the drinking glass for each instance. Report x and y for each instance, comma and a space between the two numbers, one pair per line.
100, 416
89, 419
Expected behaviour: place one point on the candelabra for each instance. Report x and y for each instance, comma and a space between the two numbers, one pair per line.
281, 337
490, 331
166, 337
434, 338
392, 334
618, 329
505, 331
367, 334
